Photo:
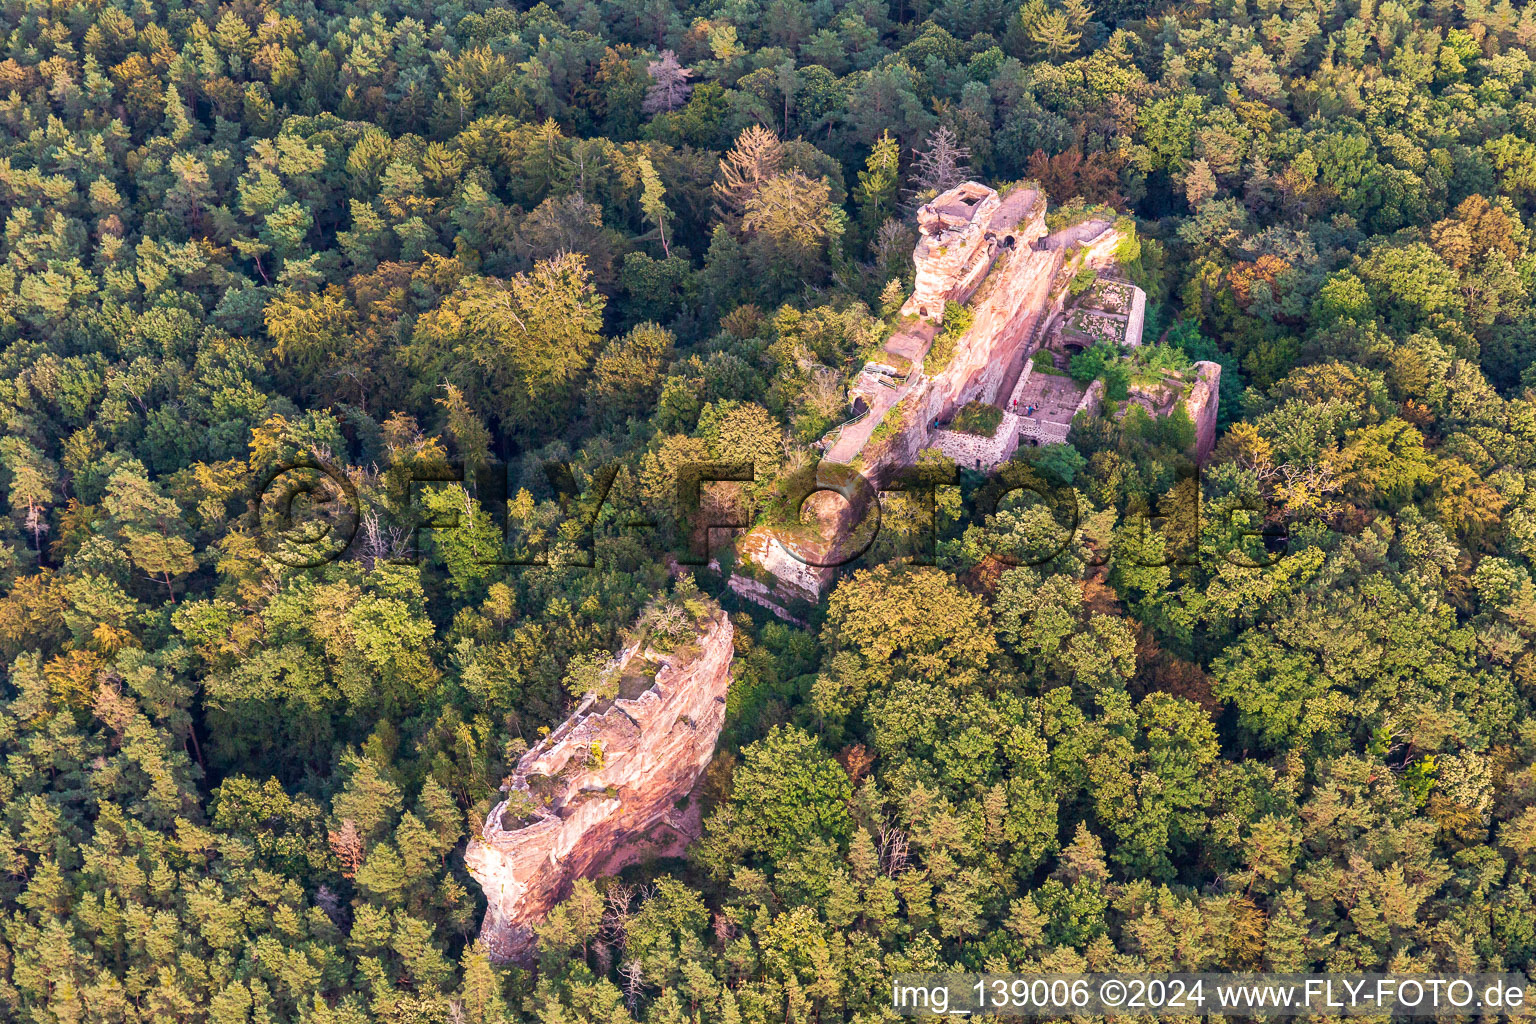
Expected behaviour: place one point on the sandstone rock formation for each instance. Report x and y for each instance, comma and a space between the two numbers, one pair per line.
1201, 404
957, 245
603, 790
976, 248
992, 265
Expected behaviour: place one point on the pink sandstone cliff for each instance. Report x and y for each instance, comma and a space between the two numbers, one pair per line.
586, 815
976, 248
957, 243
1202, 405
990, 264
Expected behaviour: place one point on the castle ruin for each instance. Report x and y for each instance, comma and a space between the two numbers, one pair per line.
993, 255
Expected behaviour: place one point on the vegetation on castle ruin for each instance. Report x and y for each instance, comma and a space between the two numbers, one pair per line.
957, 320
979, 418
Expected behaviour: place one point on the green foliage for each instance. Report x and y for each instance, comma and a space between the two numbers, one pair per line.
957, 320
879, 182
1058, 462
980, 418
893, 423
1104, 362
790, 794
1082, 280
651, 200
1071, 211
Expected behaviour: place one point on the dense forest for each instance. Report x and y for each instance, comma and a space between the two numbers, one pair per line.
618, 236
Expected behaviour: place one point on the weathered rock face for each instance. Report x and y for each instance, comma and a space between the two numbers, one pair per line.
957, 244
1100, 251
990, 262
1202, 406
976, 248
604, 787
1005, 309
790, 566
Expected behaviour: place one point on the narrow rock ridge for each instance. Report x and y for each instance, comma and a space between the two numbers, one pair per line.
1202, 405
612, 785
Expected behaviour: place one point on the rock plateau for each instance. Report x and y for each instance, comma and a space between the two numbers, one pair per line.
612, 785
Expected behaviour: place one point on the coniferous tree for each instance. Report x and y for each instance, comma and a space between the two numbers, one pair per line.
651, 201
669, 84
756, 157
878, 183
940, 167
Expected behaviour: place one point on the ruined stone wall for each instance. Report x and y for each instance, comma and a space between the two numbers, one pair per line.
1092, 400
1197, 390
1137, 320
592, 820
1026, 372
993, 254
973, 451
1042, 431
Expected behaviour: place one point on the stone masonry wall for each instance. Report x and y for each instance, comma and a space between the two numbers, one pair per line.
1136, 321
972, 451
993, 254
